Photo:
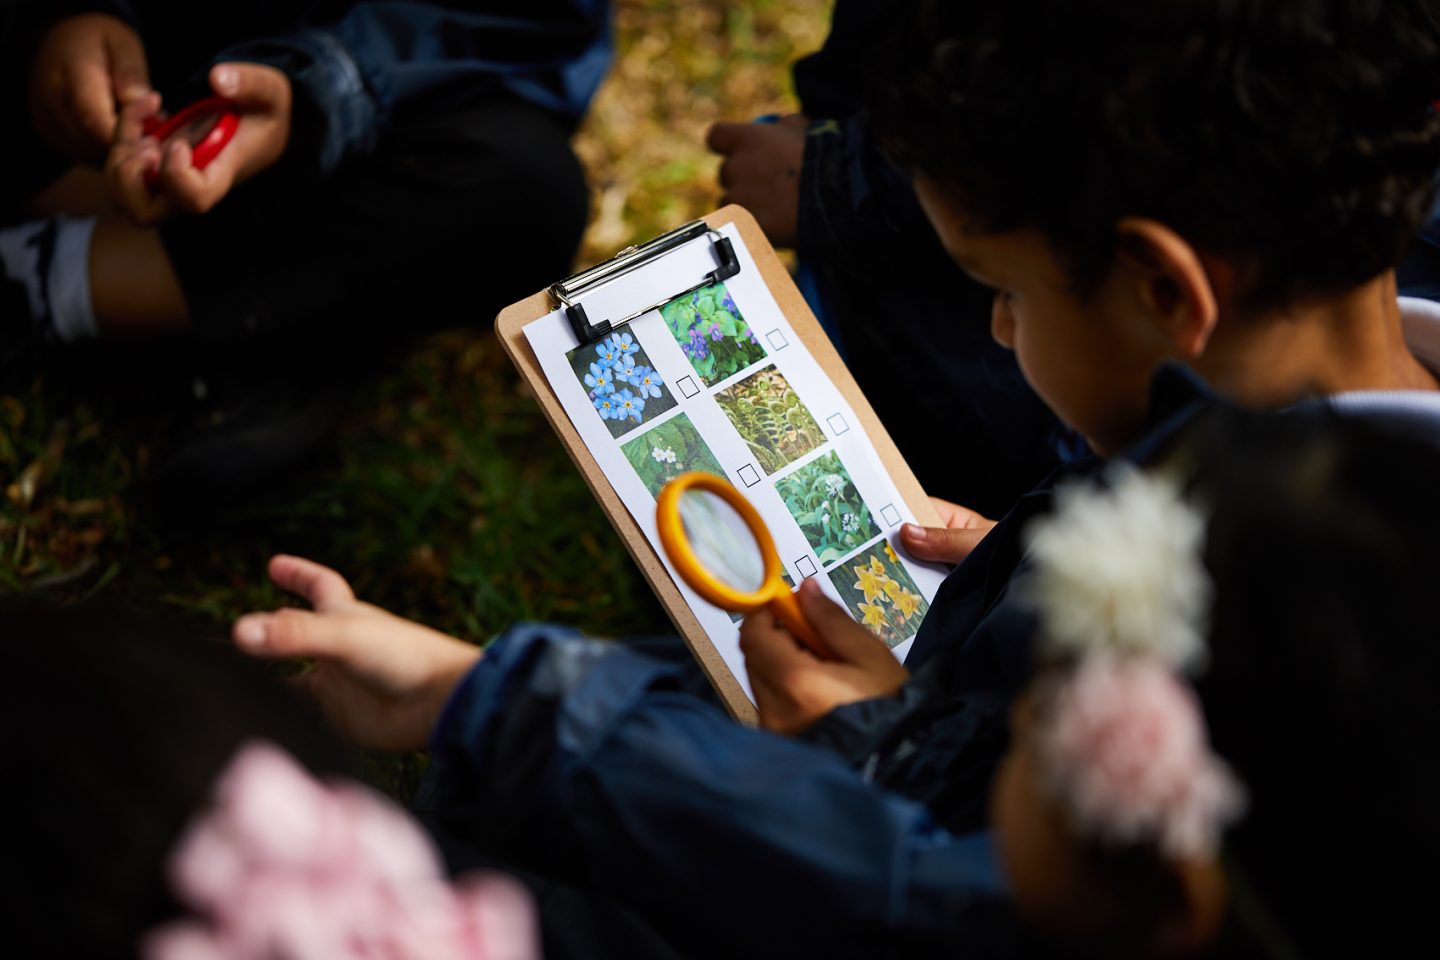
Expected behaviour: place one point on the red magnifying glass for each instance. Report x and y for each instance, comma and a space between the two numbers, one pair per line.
207, 125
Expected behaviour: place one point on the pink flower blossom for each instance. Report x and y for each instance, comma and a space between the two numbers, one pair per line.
285, 868
1125, 753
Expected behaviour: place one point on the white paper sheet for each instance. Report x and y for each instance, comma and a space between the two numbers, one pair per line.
752, 385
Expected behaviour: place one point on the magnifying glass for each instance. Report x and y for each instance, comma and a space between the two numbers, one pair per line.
723, 550
207, 125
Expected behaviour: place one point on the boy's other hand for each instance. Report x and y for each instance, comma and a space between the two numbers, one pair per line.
380, 679
263, 97
793, 688
761, 171
86, 68
963, 529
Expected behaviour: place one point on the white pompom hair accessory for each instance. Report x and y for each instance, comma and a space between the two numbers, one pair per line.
1118, 568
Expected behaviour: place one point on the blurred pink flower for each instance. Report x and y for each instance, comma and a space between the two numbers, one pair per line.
1124, 750
283, 867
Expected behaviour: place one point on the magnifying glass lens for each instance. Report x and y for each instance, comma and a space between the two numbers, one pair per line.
722, 541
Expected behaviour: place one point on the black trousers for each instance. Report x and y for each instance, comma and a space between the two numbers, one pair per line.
460, 212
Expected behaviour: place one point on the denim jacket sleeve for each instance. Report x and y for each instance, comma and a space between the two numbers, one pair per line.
586, 761
351, 76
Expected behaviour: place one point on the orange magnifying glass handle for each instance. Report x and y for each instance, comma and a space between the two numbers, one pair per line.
772, 590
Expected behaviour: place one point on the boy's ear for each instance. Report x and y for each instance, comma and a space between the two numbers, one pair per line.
1175, 286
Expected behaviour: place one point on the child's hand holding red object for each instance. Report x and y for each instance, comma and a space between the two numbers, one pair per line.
153, 181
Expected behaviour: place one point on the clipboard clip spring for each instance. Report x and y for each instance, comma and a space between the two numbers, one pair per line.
568, 291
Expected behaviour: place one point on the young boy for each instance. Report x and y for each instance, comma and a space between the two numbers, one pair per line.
1168, 213
1222, 185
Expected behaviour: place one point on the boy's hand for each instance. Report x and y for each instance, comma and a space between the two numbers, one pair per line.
761, 171
793, 688
380, 679
85, 69
263, 96
963, 529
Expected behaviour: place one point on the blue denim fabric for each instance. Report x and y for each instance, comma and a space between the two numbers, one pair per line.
587, 761
354, 73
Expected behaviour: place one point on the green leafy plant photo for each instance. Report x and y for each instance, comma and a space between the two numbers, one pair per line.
880, 594
824, 502
662, 454
770, 418
711, 332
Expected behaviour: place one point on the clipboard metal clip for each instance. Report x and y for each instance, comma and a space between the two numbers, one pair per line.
568, 291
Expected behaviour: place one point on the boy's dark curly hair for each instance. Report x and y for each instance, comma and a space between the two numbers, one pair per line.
1298, 137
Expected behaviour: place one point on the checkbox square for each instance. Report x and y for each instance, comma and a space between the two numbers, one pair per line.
806, 566
837, 423
777, 339
891, 515
687, 387
749, 475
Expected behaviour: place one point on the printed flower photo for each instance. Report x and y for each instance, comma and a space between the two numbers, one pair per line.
621, 382
771, 419
662, 454
880, 594
824, 502
710, 330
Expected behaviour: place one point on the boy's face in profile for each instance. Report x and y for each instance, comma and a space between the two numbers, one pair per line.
1089, 358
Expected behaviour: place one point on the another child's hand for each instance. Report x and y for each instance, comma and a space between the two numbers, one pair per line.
85, 69
963, 529
793, 688
263, 96
761, 171
381, 680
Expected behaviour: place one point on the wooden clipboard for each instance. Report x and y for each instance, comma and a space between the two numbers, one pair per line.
510, 325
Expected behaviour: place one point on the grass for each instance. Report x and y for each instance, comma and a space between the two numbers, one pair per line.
444, 497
